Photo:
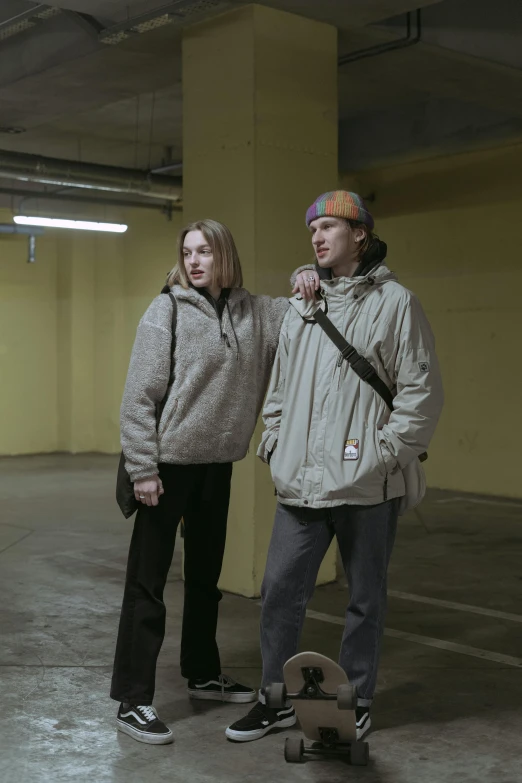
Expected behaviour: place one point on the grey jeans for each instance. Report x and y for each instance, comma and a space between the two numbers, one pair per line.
300, 540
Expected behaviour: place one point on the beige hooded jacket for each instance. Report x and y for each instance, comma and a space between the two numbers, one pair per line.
221, 375
330, 438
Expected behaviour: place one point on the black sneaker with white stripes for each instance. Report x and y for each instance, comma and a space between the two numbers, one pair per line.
142, 723
222, 689
259, 721
363, 721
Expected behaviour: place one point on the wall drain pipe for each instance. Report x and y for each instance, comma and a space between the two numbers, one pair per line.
389, 46
31, 231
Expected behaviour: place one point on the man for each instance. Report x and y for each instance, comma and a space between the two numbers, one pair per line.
335, 450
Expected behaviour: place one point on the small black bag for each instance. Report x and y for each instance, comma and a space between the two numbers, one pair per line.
124, 486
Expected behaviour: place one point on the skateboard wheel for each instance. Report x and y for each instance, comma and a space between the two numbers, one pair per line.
346, 697
294, 750
359, 754
275, 695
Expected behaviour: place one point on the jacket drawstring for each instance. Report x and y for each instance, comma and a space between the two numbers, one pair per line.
233, 330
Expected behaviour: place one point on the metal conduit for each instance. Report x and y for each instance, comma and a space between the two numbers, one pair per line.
27, 195
67, 173
388, 46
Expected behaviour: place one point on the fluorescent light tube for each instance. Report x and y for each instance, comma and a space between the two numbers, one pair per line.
83, 225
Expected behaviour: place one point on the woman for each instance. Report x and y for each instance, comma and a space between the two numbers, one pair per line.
181, 466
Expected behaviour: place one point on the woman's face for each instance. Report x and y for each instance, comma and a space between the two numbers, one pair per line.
198, 258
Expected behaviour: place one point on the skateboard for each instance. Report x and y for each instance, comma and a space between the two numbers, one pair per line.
324, 702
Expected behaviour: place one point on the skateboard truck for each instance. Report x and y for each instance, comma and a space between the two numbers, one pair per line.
313, 677
277, 695
358, 753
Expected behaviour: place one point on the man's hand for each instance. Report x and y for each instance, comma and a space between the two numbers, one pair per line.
148, 491
307, 283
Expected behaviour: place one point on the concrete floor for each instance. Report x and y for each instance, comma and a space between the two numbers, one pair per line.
441, 715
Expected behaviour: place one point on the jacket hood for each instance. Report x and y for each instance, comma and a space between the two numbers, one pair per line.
342, 286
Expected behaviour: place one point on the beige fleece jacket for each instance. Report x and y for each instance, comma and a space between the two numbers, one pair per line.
212, 407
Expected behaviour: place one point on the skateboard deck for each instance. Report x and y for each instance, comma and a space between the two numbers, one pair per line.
317, 714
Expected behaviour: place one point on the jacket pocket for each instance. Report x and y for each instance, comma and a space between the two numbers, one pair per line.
383, 468
267, 446
166, 417
390, 463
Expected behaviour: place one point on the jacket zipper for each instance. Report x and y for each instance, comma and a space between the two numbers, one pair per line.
340, 361
224, 335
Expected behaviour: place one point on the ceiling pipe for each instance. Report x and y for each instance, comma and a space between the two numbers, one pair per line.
175, 167
27, 195
8, 228
91, 176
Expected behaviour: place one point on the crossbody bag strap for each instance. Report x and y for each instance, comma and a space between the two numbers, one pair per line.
358, 363
173, 332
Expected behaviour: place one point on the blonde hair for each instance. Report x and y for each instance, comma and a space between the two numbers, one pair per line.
227, 267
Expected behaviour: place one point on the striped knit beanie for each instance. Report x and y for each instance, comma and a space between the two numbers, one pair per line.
341, 204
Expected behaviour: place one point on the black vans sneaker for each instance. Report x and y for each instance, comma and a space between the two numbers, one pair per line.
259, 721
222, 689
363, 721
143, 724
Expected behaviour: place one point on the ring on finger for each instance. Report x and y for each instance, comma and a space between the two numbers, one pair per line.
311, 279
142, 497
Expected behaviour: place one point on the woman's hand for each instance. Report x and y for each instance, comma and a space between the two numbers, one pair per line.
148, 491
307, 283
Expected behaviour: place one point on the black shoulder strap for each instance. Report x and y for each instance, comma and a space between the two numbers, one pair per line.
358, 363
173, 331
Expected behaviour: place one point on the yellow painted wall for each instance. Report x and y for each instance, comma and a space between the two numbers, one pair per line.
67, 324
453, 230
28, 350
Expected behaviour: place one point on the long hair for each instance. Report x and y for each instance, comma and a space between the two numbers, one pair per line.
372, 250
227, 267
369, 236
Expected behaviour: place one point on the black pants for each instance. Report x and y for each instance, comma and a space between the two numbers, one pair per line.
200, 494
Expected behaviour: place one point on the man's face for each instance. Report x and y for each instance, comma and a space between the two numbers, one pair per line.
334, 241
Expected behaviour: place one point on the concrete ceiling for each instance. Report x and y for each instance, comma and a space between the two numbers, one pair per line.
78, 98
339, 12
459, 88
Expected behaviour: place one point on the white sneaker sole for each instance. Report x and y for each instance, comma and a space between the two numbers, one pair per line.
143, 736
365, 729
249, 736
232, 698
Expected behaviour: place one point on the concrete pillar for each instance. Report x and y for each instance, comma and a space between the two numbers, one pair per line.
259, 144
